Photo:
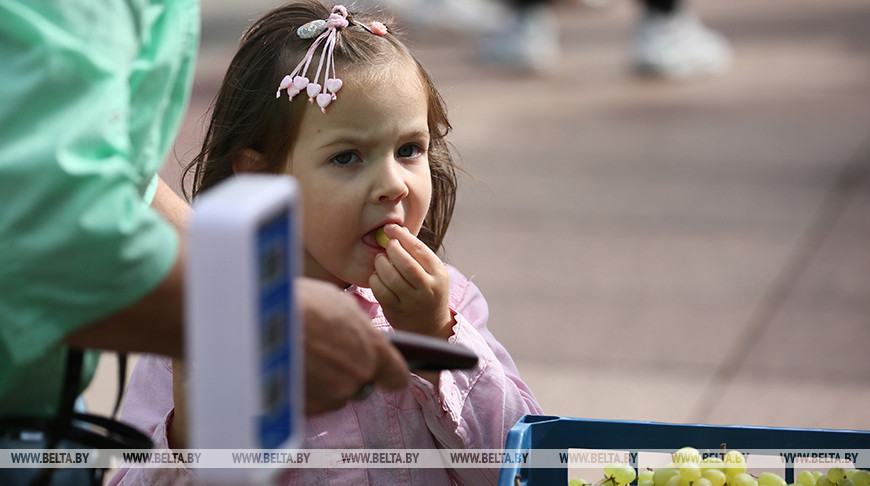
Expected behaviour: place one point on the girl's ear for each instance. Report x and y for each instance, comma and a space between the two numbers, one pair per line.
249, 160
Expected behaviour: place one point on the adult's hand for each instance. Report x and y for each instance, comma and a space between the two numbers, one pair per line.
343, 351
343, 354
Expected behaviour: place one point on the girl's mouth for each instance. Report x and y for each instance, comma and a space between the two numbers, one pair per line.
372, 239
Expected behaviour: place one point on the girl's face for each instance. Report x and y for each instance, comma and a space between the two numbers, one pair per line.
360, 165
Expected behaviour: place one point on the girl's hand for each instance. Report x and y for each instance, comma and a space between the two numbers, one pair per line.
412, 285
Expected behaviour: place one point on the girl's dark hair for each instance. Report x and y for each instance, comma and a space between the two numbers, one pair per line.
246, 114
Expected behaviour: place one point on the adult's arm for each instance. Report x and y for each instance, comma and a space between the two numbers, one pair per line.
83, 258
153, 324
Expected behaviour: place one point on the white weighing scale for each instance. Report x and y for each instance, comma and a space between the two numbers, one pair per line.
243, 340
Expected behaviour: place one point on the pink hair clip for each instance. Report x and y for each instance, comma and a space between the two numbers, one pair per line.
296, 81
322, 30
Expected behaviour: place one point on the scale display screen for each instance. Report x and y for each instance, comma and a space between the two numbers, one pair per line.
275, 285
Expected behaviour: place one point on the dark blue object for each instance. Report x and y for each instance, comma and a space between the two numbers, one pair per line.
552, 432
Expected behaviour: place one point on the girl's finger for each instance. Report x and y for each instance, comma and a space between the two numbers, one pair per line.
418, 250
406, 266
391, 276
382, 292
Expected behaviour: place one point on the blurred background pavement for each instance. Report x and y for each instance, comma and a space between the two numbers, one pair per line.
670, 251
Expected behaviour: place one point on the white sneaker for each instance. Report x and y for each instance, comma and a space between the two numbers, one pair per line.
679, 46
528, 40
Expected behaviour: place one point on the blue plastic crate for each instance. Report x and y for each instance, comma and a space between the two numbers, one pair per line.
552, 432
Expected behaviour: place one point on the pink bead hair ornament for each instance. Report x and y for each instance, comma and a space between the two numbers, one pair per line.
376, 28
320, 31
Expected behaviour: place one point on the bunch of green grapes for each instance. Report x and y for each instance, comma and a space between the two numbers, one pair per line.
837, 476
689, 469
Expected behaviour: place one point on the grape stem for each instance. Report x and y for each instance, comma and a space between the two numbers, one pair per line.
605, 480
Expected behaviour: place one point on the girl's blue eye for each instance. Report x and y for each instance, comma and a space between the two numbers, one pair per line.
345, 158
409, 151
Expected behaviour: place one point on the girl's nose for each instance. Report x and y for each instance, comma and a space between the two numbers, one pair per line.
390, 184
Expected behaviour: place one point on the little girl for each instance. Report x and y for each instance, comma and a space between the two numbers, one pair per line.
359, 124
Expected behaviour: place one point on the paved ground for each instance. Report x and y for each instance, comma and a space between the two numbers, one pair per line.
682, 252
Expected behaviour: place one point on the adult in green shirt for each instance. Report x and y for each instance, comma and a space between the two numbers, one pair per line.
92, 94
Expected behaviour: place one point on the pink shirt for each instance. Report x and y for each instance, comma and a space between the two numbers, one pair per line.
472, 409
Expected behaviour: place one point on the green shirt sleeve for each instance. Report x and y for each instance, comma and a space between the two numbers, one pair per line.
91, 97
